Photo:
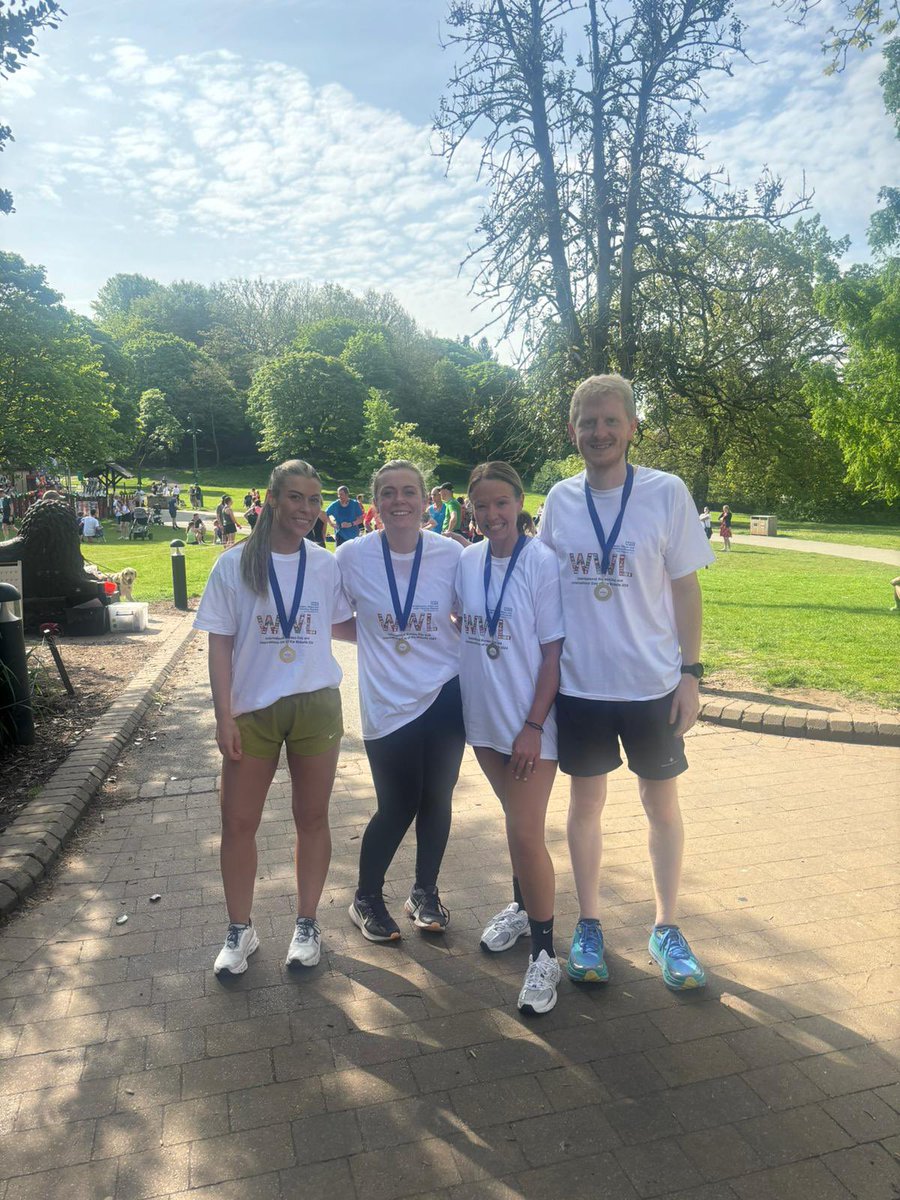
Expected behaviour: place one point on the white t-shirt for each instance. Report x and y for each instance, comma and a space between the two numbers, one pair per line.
228, 606
498, 693
396, 688
625, 647
90, 526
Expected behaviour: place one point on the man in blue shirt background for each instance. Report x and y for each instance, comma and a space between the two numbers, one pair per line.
345, 516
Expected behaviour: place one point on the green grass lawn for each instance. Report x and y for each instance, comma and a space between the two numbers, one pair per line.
777, 619
153, 561
880, 537
802, 620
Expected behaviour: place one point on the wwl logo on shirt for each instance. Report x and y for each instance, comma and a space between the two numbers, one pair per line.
588, 565
419, 622
475, 625
270, 626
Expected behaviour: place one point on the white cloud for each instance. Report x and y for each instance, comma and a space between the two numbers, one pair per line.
296, 179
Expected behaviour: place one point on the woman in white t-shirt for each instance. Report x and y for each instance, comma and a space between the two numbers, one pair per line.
508, 592
400, 583
268, 607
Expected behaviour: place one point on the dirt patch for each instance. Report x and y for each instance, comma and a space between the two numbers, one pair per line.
99, 668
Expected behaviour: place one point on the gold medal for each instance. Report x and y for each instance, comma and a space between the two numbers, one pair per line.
403, 646
287, 654
603, 590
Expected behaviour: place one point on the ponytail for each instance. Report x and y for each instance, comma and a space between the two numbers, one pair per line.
257, 548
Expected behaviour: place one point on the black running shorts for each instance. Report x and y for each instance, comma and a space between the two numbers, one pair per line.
590, 732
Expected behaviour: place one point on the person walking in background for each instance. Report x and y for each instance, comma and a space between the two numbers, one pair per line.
173, 510
269, 608
706, 522
451, 510
435, 512
628, 546
508, 592
725, 527
401, 585
345, 516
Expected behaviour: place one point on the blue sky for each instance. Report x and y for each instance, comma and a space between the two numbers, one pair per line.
291, 139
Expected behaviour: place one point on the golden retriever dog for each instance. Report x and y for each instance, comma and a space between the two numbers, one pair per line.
125, 579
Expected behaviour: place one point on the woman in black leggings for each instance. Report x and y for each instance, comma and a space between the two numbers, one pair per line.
401, 585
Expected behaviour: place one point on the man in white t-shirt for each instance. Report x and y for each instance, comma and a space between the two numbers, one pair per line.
628, 544
90, 528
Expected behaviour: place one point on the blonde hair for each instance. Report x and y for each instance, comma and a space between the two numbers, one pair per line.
501, 472
399, 464
258, 546
602, 385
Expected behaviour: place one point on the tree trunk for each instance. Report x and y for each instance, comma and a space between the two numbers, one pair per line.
599, 335
700, 485
212, 427
531, 64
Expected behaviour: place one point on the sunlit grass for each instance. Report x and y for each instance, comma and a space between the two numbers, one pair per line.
803, 620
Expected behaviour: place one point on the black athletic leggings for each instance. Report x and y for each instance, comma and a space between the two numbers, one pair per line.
415, 769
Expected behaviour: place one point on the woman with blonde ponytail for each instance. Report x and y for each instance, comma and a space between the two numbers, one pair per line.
269, 607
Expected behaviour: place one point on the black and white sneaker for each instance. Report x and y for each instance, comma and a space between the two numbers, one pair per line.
538, 994
426, 911
371, 917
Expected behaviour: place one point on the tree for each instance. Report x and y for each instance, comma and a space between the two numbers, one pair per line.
593, 160
55, 397
370, 354
158, 429
858, 404
861, 24
309, 406
494, 403
327, 337
380, 422
732, 348
117, 298
405, 443
18, 25
193, 384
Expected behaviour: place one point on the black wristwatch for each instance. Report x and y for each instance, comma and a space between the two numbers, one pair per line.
695, 669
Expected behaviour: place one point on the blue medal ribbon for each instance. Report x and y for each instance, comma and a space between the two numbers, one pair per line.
402, 614
493, 618
286, 620
606, 544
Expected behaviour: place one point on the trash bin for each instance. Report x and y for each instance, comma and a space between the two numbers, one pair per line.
764, 526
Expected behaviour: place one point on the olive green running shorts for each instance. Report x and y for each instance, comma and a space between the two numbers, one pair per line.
308, 723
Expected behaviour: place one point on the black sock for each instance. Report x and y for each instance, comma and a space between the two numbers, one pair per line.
541, 937
517, 894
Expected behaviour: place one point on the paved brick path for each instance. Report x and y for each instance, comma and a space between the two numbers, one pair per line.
127, 1070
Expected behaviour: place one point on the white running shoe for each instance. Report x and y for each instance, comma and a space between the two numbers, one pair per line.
505, 929
240, 942
305, 949
538, 994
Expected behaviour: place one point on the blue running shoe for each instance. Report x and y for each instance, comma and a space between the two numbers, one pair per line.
680, 969
585, 962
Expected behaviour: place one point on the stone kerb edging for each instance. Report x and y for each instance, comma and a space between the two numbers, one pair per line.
790, 721
34, 840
